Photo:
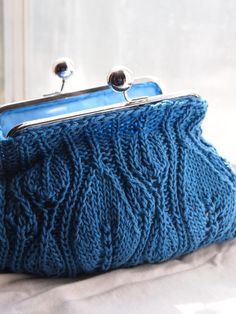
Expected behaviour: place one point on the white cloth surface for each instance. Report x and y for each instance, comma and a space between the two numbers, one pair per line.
203, 282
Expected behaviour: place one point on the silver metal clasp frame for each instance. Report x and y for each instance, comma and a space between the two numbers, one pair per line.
120, 79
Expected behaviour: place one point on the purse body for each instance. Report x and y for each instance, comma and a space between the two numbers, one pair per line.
113, 190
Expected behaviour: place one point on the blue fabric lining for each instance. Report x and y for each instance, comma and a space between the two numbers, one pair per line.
11, 118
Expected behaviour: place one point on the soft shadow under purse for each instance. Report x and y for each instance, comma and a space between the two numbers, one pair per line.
95, 180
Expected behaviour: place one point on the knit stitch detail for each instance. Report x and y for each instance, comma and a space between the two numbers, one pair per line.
114, 190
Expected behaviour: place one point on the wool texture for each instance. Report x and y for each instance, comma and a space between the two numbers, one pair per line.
117, 189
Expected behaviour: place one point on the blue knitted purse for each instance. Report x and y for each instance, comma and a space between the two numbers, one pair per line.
113, 190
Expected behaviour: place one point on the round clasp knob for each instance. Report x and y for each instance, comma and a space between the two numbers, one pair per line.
120, 79
63, 68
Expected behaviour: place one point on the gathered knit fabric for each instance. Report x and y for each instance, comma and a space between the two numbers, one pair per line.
118, 189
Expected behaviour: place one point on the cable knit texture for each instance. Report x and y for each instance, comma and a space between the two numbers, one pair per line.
114, 190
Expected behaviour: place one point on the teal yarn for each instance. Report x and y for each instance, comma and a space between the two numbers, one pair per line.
115, 190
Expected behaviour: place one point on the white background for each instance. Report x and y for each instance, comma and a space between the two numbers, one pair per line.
187, 44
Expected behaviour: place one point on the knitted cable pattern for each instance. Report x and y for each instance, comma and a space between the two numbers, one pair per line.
114, 190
